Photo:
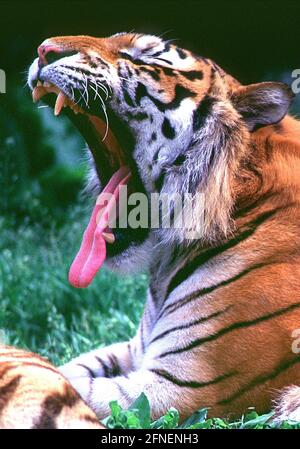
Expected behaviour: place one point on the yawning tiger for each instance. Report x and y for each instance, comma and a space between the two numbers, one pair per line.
221, 309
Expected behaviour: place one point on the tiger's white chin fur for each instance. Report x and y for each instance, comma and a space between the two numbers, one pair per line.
134, 260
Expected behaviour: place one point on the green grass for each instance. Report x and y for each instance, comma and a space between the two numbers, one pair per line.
40, 311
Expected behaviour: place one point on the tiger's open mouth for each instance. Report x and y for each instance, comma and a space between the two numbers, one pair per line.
115, 168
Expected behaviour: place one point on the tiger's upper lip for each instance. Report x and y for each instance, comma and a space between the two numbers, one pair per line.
102, 131
43, 88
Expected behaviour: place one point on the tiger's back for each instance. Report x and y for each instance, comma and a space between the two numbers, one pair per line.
34, 395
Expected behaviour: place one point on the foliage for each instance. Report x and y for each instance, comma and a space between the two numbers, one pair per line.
41, 167
138, 417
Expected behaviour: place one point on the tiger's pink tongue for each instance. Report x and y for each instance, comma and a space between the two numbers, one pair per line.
92, 252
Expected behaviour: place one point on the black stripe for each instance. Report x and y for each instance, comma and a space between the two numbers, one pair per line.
251, 167
127, 56
115, 369
180, 160
159, 181
90, 418
152, 72
181, 53
122, 391
136, 61
169, 71
217, 68
79, 70
142, 335
192, 323
92, 62
153, 136
269, 146
175, 255
181, 93
203, 111
130, 352
7, 391
155, 156
53, 405
4, 369
105, 367
192, 75
158, 53
205, 291
245, 208
165, 60
167, 129
88, 369
29, 362
191, 383
129, 72
260, 380
186, 271
102, 61
139, 116
128, 98
153, 292
239, 325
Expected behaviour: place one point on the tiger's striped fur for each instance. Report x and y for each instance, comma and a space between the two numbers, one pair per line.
34, 395
217, 327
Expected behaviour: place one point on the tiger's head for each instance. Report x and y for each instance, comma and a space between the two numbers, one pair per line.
177, 121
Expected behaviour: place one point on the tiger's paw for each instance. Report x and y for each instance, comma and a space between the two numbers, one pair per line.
79, 377
287, 405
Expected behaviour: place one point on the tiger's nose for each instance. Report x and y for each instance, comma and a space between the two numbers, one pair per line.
44, 50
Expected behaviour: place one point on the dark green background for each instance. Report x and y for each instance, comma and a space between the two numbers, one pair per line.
247, 38
41, 157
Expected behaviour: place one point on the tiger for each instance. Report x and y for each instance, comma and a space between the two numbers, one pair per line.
218, 327
35, 395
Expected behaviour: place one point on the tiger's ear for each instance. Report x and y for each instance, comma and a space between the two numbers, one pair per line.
263, 103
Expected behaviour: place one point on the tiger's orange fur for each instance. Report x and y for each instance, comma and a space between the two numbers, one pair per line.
34, 395
218, 323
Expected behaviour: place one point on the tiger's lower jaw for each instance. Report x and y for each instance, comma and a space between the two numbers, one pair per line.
136, 258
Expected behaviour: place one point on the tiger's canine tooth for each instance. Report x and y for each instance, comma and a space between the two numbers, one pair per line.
60, 100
